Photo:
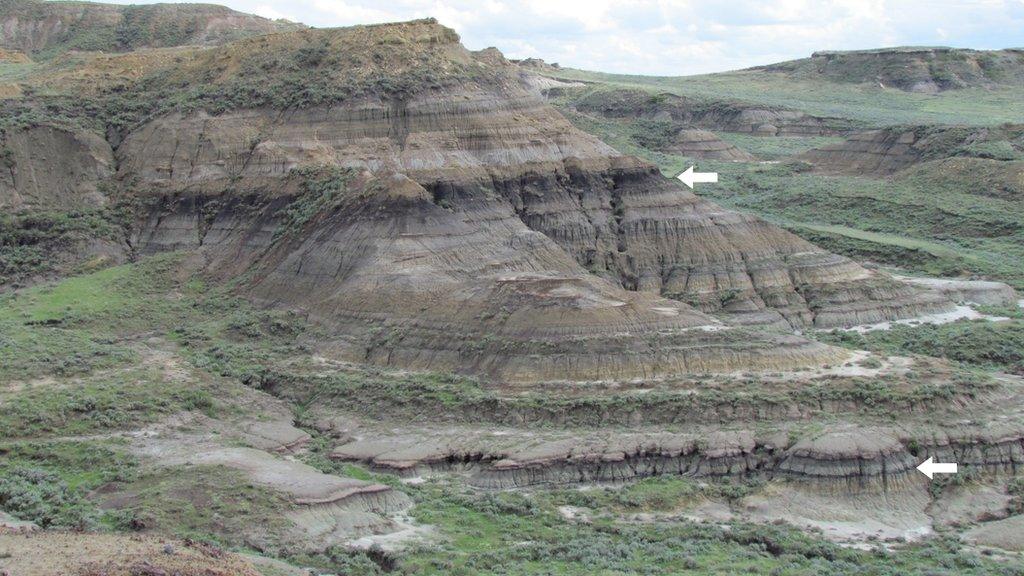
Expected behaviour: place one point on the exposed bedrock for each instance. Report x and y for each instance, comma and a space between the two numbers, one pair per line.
913, 68
889, 150
491, 155
973, 291
413, 285
723, 116
845, 459
704, 144
52, 168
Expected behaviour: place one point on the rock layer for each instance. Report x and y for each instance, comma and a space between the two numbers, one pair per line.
52, 168
912, 69
845, 459
889, 150
729, 116
704, 144
454, 221
505, 150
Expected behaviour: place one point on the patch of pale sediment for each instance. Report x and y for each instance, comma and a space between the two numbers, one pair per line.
1006, 534
978, 292
405, 533
857, 363
960, 312
854, 517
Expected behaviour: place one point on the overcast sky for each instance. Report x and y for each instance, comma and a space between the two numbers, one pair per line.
675, 37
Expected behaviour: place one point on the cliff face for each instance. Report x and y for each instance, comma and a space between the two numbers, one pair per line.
33, 26
912, 69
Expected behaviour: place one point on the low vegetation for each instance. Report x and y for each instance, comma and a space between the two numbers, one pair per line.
994, 345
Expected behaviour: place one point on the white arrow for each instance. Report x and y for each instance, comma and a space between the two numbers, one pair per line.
929, 467
689, 177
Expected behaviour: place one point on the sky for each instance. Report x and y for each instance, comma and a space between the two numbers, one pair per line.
676, 37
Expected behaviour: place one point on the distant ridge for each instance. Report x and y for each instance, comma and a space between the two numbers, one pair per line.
924, 69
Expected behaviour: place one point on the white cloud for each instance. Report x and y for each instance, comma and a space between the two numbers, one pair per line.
677, 36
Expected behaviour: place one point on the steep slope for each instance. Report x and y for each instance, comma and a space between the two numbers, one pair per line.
35, 26
912, 69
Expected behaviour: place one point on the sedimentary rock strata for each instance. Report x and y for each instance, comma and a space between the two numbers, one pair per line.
846, 458
739, 117
912, 69
458, 223
704, 144
495, 150
52, 168
889, 150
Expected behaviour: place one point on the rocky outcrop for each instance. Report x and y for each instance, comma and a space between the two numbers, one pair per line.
49, 167
723, 116
496, 150
704, 144
973, 291
442, 217
32, 26
912, 69
889, 150
843, 459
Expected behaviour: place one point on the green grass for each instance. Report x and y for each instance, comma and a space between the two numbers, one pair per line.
523, 533
776, 147
969, 233
994, 345
92, 404
211, 504
49, 482
81, 297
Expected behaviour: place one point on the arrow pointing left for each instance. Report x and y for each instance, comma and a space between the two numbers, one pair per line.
689, 177
929, 467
